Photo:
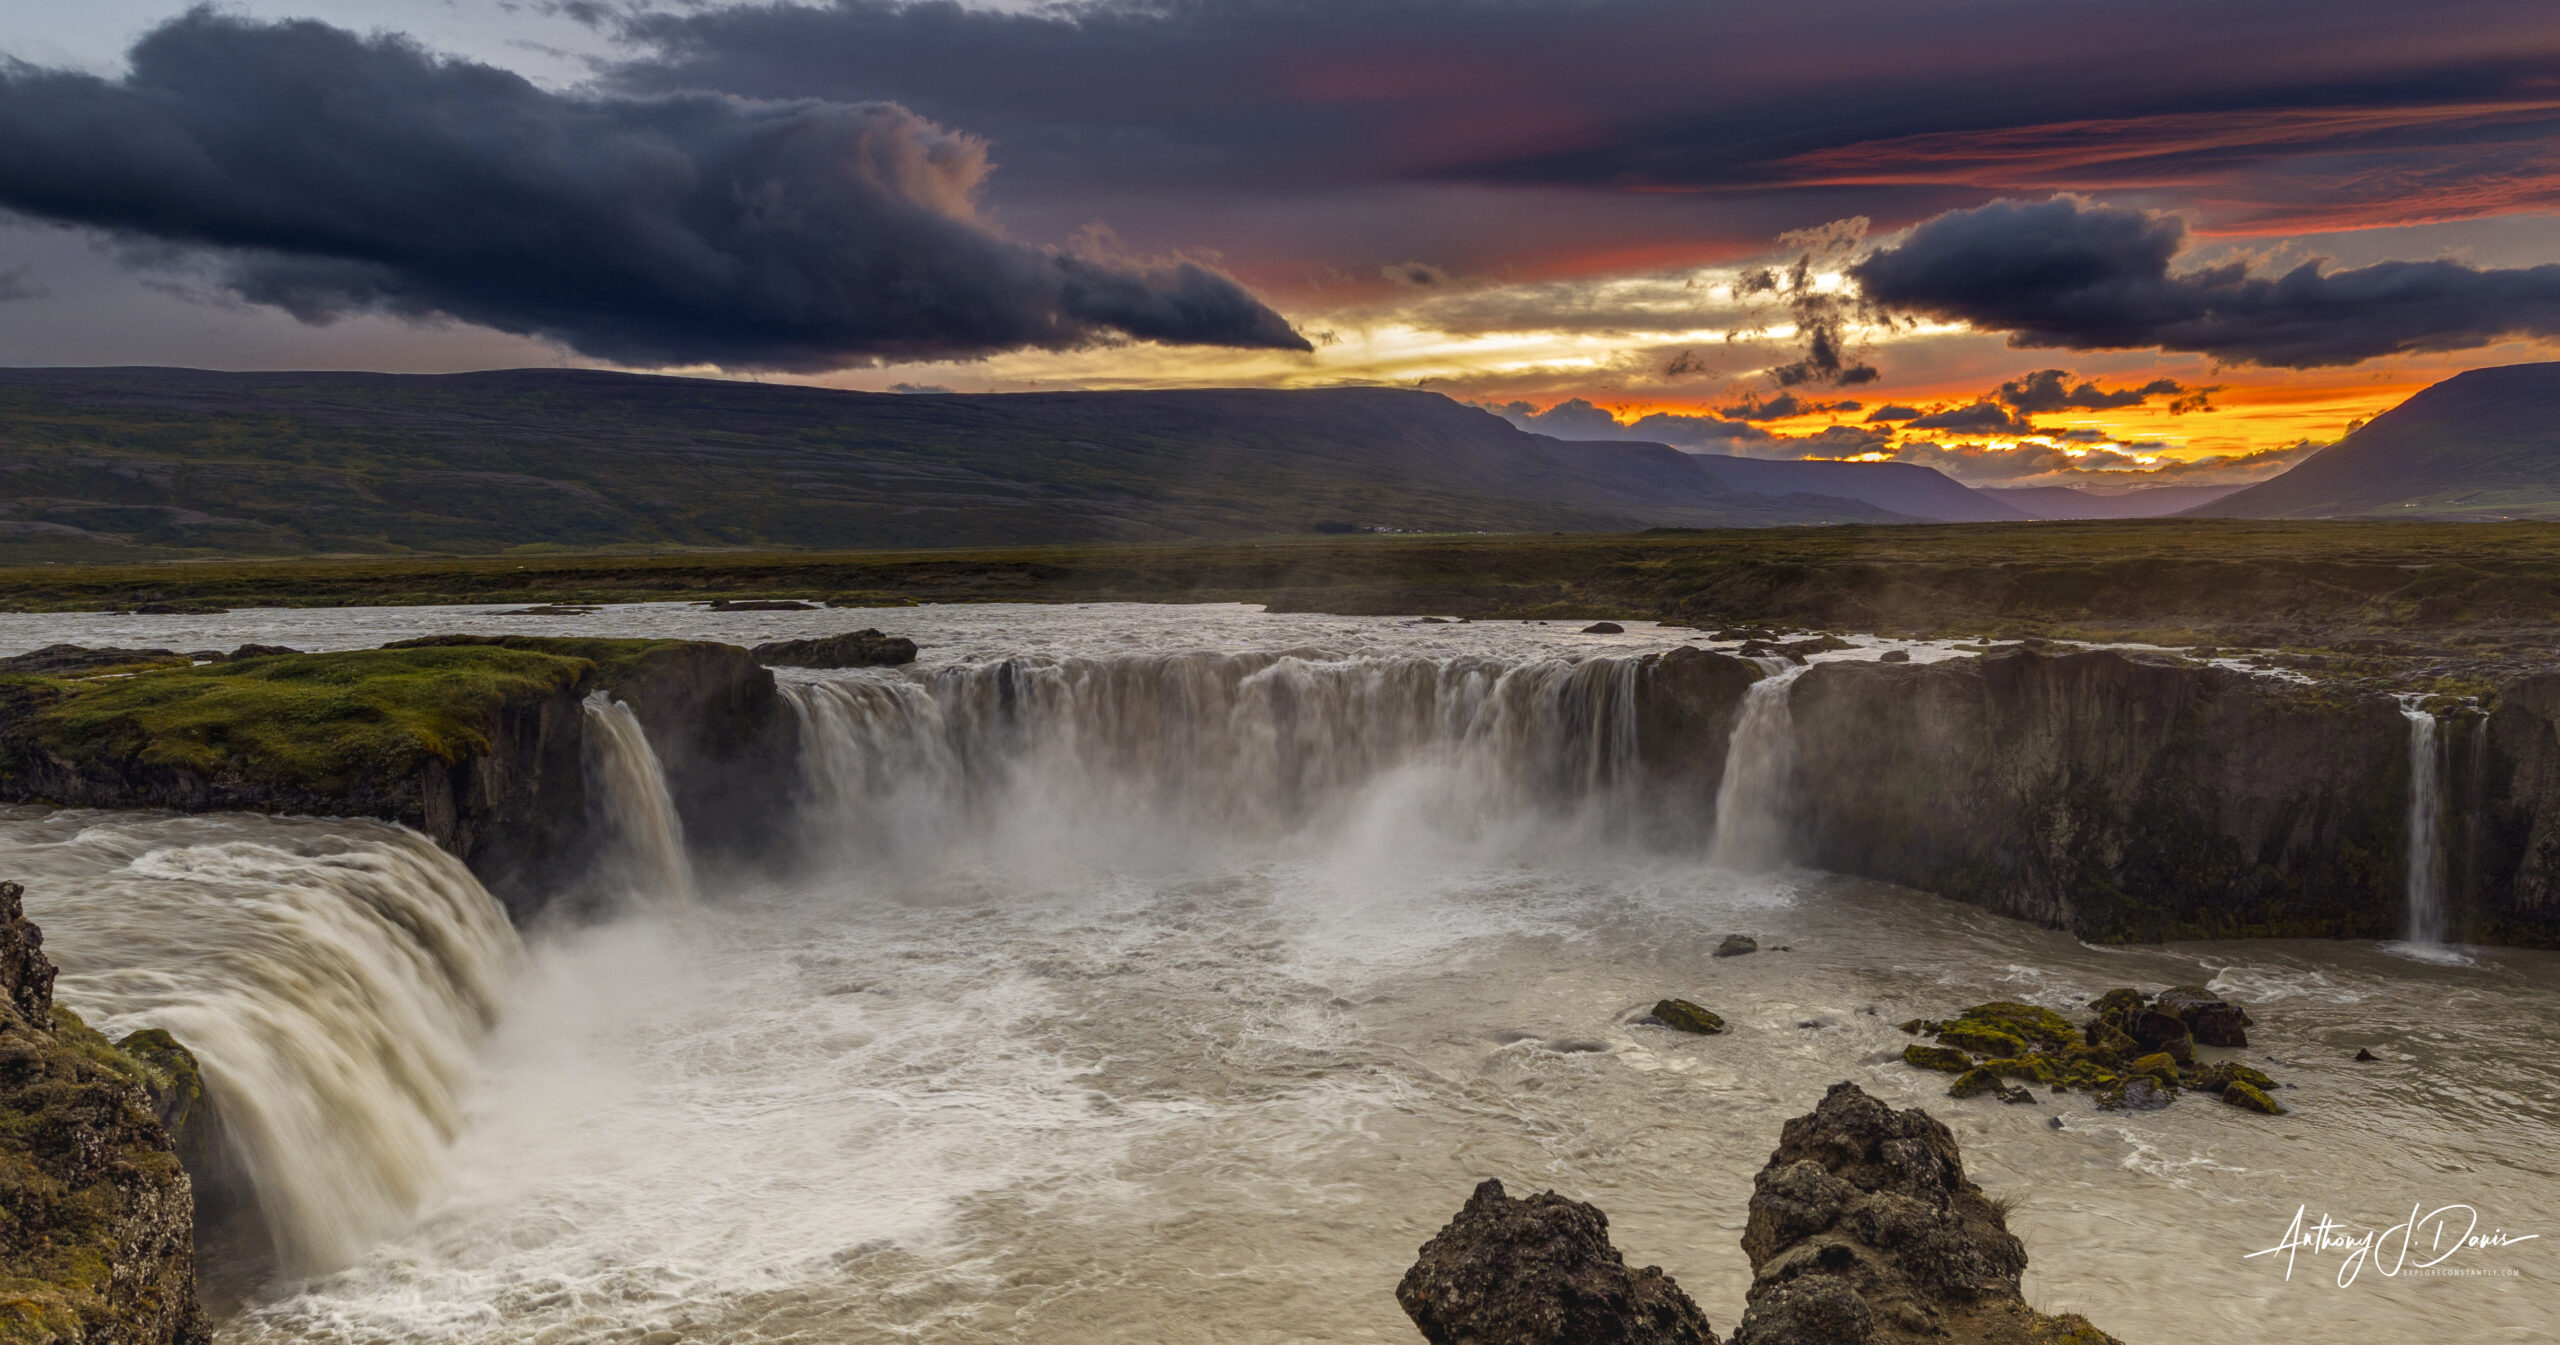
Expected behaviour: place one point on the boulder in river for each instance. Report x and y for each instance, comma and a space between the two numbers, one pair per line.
1735, 945
853, 649
1604, 628
1541, 1271
1864, 1230
1687, 1017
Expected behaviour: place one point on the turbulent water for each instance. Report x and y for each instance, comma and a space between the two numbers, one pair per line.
1759, 780
643, 860
1139, 996
2425, 879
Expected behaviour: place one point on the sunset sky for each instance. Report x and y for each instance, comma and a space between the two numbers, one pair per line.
2026, 243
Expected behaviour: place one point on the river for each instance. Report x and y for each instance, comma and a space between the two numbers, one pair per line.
1190, 1005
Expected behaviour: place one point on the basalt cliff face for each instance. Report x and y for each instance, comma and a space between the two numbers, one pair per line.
2122, 797
2134, 798
98, 1247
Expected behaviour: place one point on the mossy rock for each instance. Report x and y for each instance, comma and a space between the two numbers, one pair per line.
2251, 1097
2107, 1037
1945, 1058
1981, 1040
2119, 1001
2033, 1069
2024, 1021
1976, 1082
172, 1077
2139, 1092
2216, 1077
1916, 1026
1687, 1017
2158, 1065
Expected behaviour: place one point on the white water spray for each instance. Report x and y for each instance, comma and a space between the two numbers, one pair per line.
1076, 751
334, 979
1754, 797
2426, 921
645, 855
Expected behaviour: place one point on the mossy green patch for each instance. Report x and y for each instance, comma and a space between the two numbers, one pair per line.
1981, 1039
2044, 1027
1688, 1017
312, 719
1945, 1058
2250, 1097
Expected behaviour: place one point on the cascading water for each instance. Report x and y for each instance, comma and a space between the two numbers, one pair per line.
1225, 745
2426, 871
645, 858
334, 978
1754, 797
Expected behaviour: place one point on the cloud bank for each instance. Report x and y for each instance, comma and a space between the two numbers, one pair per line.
2074, 275
331, 174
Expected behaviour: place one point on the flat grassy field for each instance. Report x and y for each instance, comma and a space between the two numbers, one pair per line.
2234, 581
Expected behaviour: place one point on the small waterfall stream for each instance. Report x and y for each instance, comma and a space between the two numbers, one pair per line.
1753, 798
645, 857
2426, 870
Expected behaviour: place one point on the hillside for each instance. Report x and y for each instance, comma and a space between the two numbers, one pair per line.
1902, 487
103, 463
2479, 445
2068, 502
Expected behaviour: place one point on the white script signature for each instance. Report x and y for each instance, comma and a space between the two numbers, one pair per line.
2433, 1238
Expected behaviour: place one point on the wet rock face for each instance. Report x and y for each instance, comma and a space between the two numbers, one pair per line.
1864, 1228
98, 1246
854, 649
1541, 1271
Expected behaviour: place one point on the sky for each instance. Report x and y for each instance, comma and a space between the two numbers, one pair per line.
2104, 244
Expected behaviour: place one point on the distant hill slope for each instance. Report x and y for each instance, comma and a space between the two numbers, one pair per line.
2483, 444
1905, 488
96, 462
2068, 502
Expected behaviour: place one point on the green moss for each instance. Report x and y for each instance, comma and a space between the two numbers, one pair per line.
2024, 1021
2159, 1065
2222, 1074
2250, 1097
1981, 1039
617, 662
1688, 1017
1945, 1058
2033, 1069
1977, 1082
319, 719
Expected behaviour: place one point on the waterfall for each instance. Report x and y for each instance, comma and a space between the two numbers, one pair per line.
1219, 745
2426, 846
334, 980
1752, 800
645, 853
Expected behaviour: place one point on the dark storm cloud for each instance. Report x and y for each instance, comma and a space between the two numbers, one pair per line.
1883, 414
1979, 418
2048, 390
2072, 275
1579, 419
1782, 406
333, 174
1714, 123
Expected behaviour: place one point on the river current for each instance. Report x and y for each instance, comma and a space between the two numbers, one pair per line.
1053, 1039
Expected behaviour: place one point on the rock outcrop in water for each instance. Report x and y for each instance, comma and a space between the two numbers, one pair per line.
1541, 1271
865, 648
98, 1245
1864, 1229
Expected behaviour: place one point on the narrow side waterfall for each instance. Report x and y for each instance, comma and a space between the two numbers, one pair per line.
1754, 797
2426, 922
645, 857
1228, 745
334, 978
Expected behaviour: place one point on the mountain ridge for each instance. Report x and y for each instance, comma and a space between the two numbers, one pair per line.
2481, 445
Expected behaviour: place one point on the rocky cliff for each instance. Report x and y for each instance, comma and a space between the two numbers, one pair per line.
2120, 796
98, 1247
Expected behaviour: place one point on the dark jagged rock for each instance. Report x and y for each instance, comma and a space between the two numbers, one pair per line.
1894, 656
1540, 1271
263, 650
2135, 1092
1604, 628
68, 659
2213, 1020
853, 649
2364, 1056
1687, 1017
98, 1246
1735, 945
1864, 1230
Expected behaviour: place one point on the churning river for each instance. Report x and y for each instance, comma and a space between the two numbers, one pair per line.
1184, 999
